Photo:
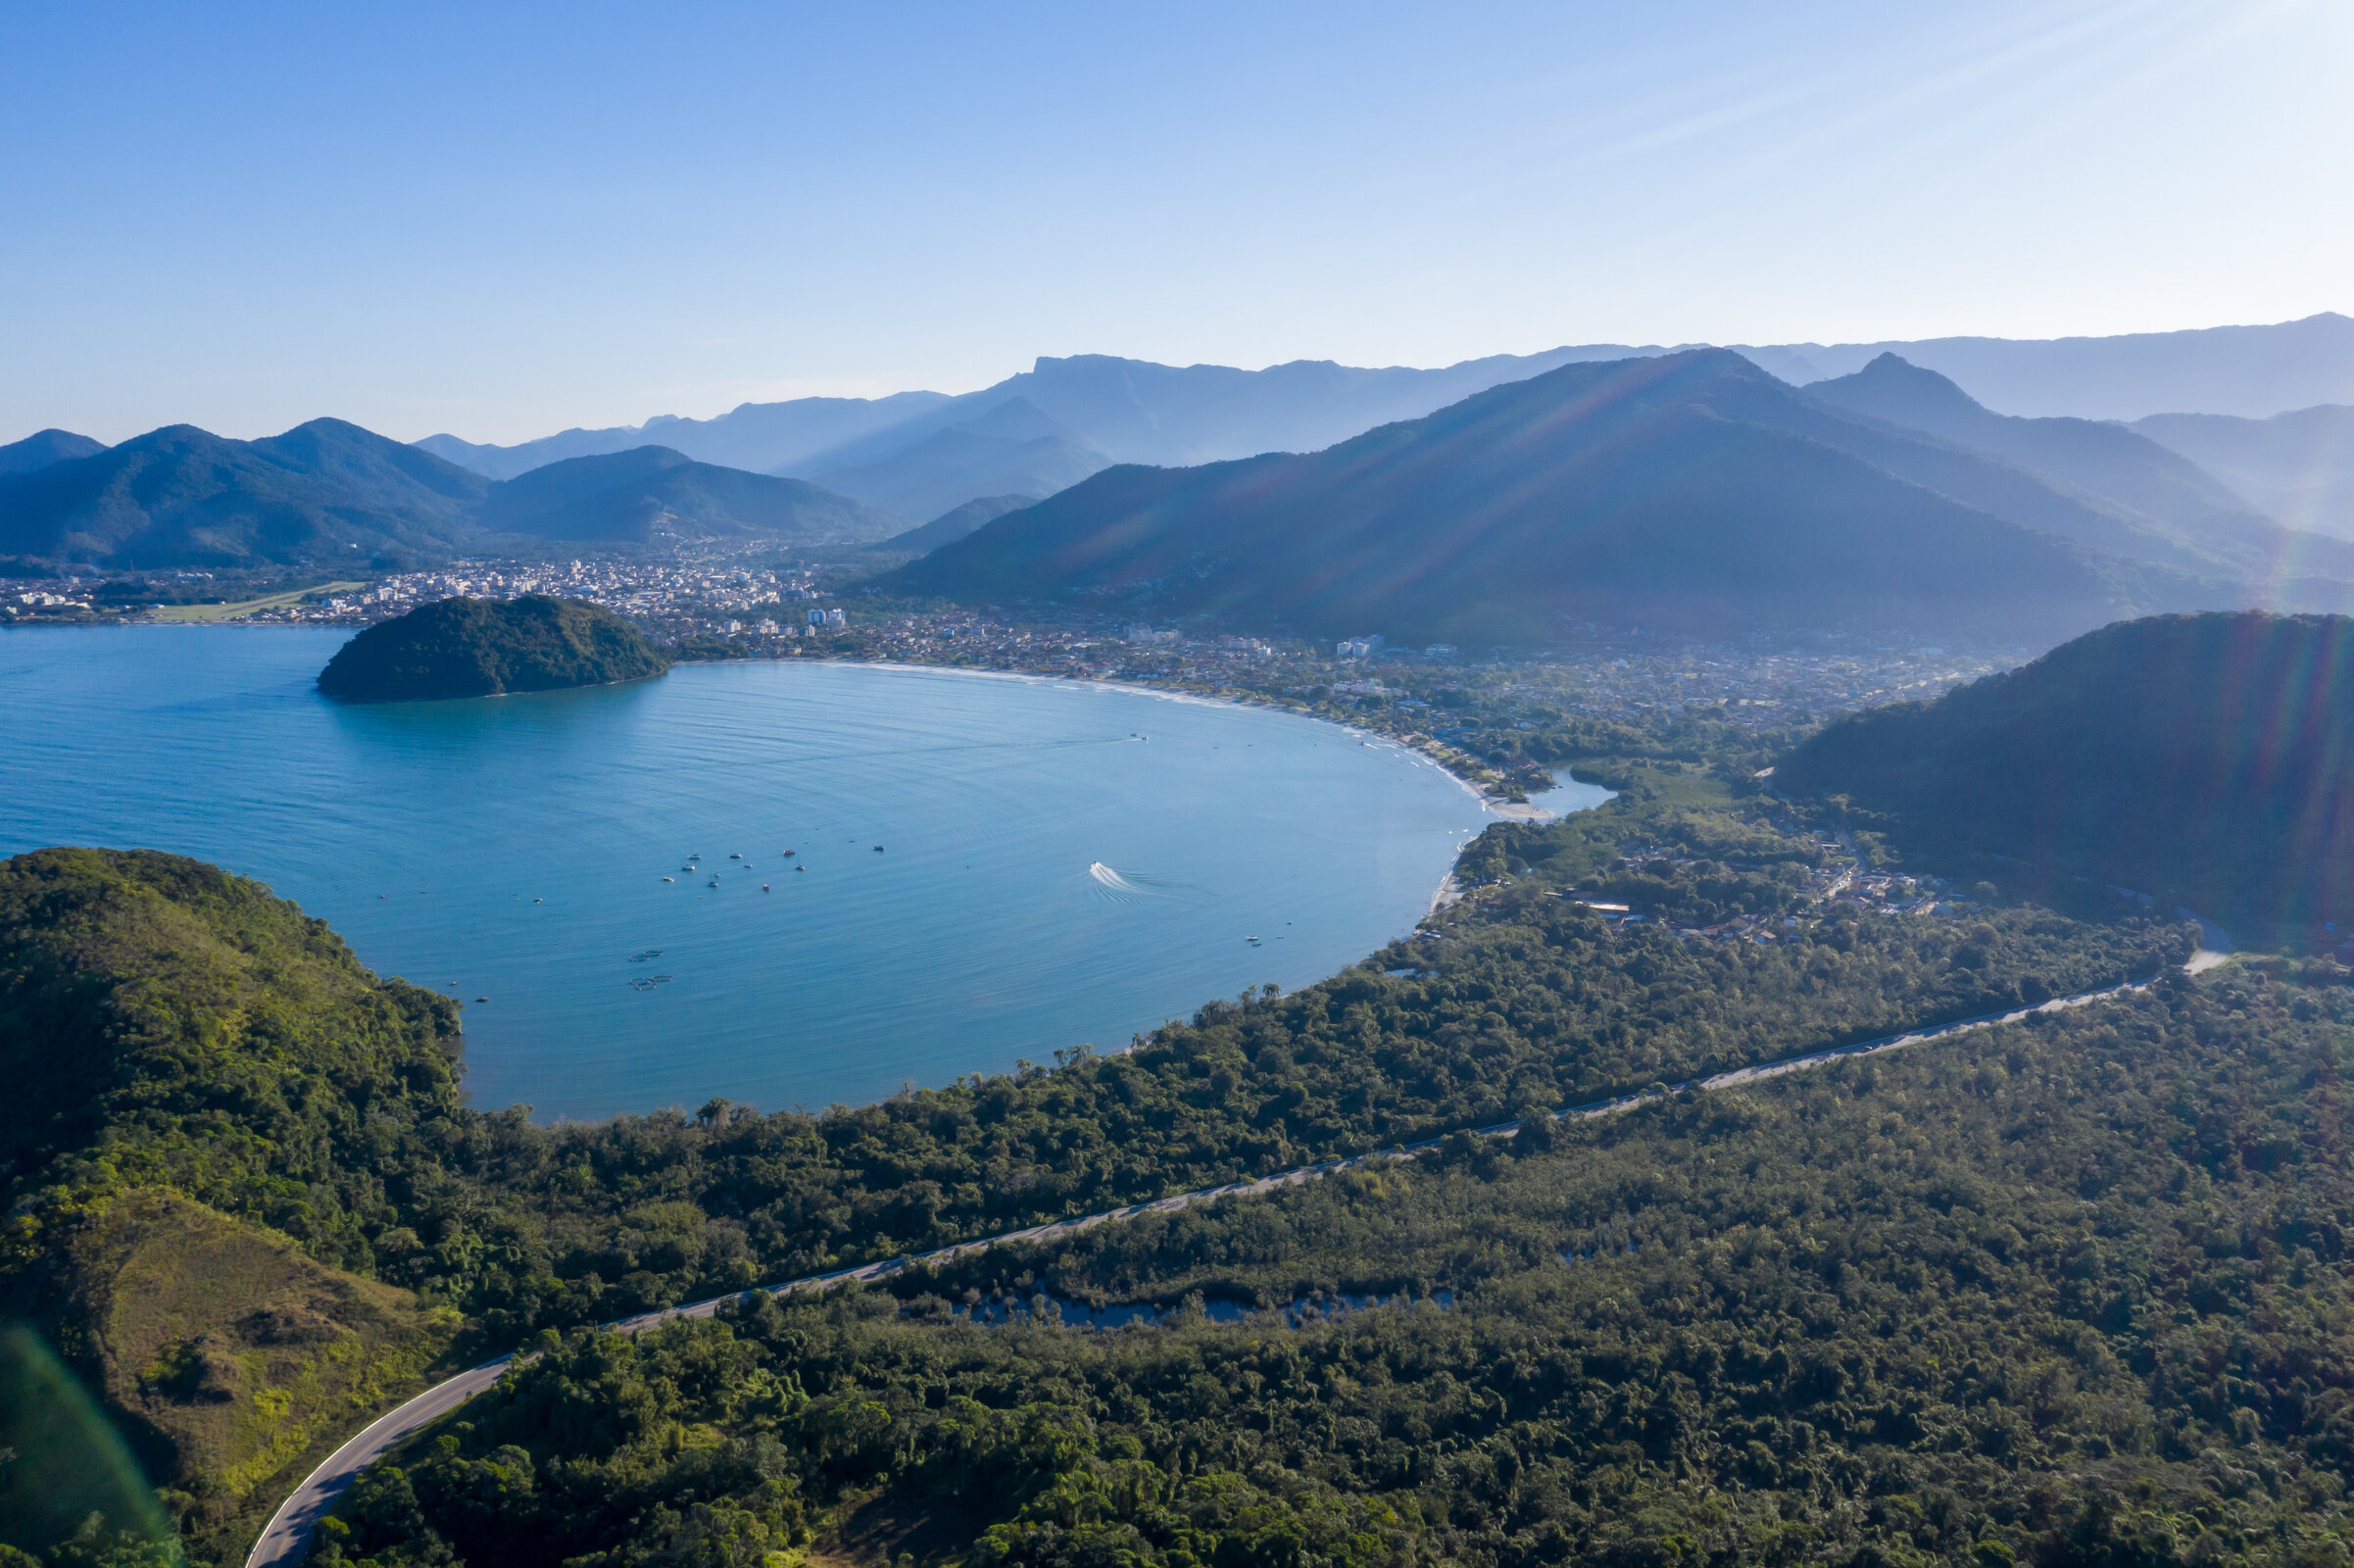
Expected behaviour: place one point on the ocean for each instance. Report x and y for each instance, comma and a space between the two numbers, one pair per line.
982, 869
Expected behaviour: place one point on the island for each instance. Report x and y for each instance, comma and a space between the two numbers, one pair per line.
482, 648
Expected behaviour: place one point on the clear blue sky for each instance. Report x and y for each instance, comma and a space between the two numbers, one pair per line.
501, 219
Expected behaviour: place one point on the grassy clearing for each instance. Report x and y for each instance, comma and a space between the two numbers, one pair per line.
244, 608
238, 1360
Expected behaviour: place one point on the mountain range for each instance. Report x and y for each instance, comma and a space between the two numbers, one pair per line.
330, 492
1689, 490
887, 451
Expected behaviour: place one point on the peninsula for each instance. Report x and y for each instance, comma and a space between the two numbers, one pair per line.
480, 647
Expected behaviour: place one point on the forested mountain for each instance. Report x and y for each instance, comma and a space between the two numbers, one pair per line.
1687, 490
2298, 466
45, 447
481, 648
2166, 492
326, 494
322, 493
203, 1086
2200, 758
954, 525
653, 493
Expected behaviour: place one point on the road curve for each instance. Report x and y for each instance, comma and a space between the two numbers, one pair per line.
287, 1540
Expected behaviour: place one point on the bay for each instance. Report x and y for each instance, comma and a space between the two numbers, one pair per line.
1061, 864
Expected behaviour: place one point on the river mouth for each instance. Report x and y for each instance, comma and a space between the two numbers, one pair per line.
983, 870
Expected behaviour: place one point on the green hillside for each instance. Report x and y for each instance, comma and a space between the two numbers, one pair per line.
329, 495
480, 647
2072, 1294
652, 494
1690, 491
2204, 758
325, 493
210, 1098
2067, 1292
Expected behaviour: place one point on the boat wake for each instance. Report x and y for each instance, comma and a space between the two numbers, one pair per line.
1111, 879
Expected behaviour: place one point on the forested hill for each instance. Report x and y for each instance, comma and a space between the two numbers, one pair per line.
209, 1100
2204, 758
1690, 490
650, 493
480, 647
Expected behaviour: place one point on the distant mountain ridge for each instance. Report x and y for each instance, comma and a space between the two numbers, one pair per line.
332, 494
2253, 371
324, 491
2298, 466
1013, 449
1136, 411
2114, 467
45, 447
1687, 490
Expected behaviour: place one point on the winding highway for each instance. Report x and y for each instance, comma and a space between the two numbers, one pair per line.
287, 1539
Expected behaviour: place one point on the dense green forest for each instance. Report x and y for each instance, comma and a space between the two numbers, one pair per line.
2072, 1292
246, 1105
2202, 757
480, 647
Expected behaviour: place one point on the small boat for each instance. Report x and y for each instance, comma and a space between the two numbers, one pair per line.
482, 998
801, 869
763, 887
878, 849
669, 879
787, 855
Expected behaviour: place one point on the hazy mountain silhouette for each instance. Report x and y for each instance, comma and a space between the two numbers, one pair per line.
1690, 490
954, 525
653, 493
324, 492
2197, 757
1134, 410
2119, 468
1012, 449
2250, 371
45, 447
758, 436
2297, 466
1129, 410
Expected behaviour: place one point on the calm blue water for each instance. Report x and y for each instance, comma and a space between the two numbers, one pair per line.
1049, 879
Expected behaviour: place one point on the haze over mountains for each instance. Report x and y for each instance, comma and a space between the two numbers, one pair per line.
1684, 490
1690, 490
2298, 466
1702, 491
885, 451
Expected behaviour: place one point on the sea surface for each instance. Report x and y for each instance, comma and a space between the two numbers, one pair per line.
1058, 863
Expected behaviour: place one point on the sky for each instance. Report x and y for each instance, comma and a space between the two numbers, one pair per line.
502, 220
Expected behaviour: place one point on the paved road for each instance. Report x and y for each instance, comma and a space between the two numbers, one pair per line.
287, 1540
